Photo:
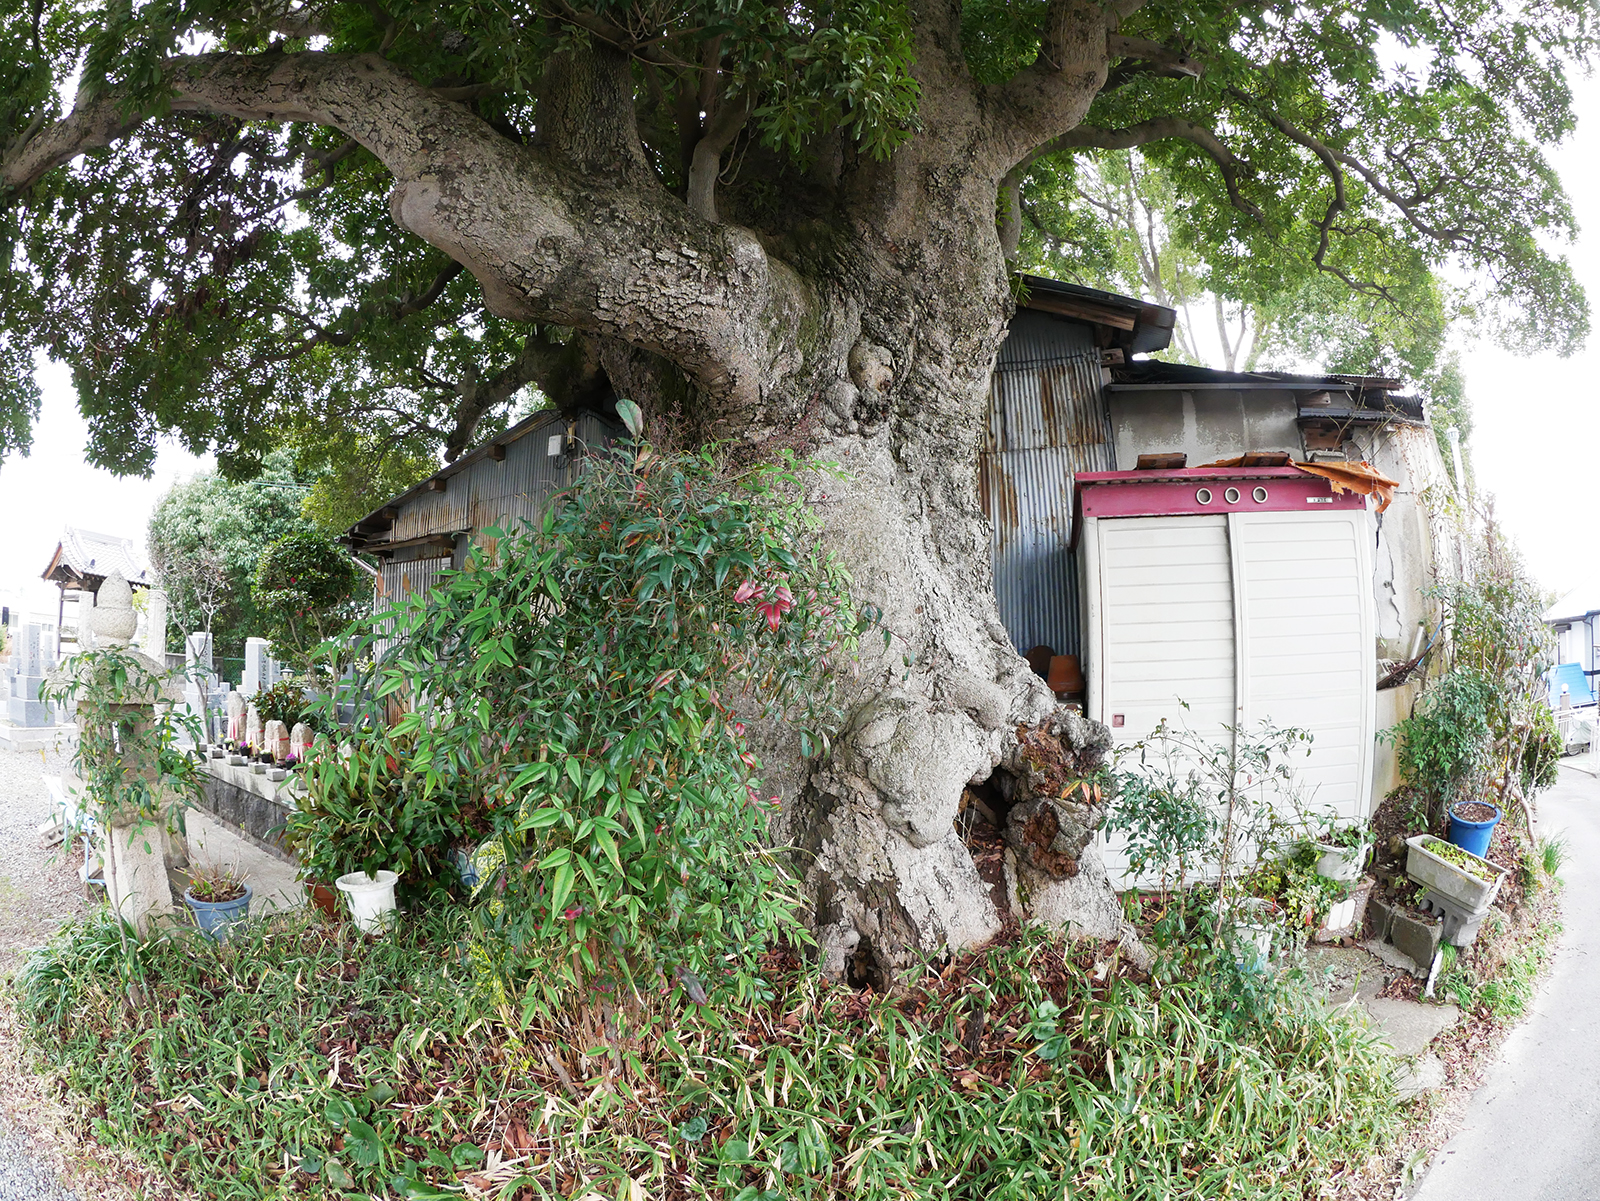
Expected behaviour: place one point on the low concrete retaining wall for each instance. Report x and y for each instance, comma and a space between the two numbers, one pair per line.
250, 805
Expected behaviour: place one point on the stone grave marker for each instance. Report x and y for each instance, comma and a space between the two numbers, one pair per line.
236, 712
24, 708
261, 670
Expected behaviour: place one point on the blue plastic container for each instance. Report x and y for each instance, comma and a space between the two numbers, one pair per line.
1473, 837
217, 918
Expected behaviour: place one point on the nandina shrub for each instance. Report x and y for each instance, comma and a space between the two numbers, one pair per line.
574, 698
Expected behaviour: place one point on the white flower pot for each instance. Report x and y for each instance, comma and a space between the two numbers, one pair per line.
371, 898
1342, 863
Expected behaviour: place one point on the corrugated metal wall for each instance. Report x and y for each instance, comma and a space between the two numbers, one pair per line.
488, 492
1047, 421
401, 580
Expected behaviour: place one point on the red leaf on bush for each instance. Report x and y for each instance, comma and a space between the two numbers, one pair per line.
744, 592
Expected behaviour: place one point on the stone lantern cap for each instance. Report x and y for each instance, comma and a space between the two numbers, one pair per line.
114, 622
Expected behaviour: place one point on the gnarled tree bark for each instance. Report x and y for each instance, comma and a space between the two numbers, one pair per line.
868, 315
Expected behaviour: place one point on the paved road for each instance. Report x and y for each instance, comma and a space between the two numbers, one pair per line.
1532, 1132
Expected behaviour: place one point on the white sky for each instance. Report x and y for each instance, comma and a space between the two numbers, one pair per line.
1536, 441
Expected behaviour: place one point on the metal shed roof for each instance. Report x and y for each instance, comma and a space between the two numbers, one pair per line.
1136, 326
427, 518
1148, 374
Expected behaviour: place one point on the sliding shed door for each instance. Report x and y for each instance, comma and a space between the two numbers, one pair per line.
1231, 619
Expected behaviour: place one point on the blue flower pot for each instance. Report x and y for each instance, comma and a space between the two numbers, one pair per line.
1473, 837
217, 918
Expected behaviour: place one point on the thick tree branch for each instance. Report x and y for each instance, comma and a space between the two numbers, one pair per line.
725, 123
1077, 44
1338, 203
1159, 129
550, 242
1170, 61
1052, 95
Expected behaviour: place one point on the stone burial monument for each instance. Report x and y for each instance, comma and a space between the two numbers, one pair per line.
30, 662
204, 693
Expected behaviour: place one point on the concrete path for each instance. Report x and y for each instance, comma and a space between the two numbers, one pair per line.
1532, 1132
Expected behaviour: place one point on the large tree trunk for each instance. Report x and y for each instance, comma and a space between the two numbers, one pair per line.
862, 319
940, 708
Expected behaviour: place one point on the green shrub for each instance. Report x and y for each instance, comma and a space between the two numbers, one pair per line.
1553, 852
365, 810
306, 590
577, 697
1445, 748
290, 702
1185, 803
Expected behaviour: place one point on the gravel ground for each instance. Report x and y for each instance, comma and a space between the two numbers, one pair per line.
22, 1176
39, 889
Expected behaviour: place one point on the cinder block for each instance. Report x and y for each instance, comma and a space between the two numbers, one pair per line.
1416, 936
1380, 914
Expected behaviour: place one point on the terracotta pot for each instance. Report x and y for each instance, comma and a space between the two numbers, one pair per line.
326, 899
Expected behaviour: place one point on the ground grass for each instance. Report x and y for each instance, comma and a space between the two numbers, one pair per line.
304, 1061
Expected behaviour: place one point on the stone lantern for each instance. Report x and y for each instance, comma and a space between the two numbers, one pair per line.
133, 847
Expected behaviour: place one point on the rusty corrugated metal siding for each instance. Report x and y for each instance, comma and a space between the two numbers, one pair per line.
488, 493
414, 578
1047, 422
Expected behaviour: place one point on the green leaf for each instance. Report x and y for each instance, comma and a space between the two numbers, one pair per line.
632, 417
362, 1144
560, 887
335, 1174
541, 819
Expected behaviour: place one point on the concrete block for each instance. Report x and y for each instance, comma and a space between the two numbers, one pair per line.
1461, 925
1380, 914
1409, 1027
1386, 954
1416, 936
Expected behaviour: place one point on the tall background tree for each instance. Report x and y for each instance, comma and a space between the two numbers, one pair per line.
206, 539
776, 224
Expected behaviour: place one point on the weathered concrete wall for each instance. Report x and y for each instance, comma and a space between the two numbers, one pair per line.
250, 805
1394, 705
1416, 538
1205, 424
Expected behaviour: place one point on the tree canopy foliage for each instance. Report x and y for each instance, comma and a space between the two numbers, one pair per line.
206, 538
222, 263
306, 589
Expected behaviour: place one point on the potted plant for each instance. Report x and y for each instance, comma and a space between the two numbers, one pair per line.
219, 900
1253, 926
325, 898
1468, 881
1343, 850
1472, 824
371, 898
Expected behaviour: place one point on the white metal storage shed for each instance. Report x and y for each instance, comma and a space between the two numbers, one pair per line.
1243, 593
